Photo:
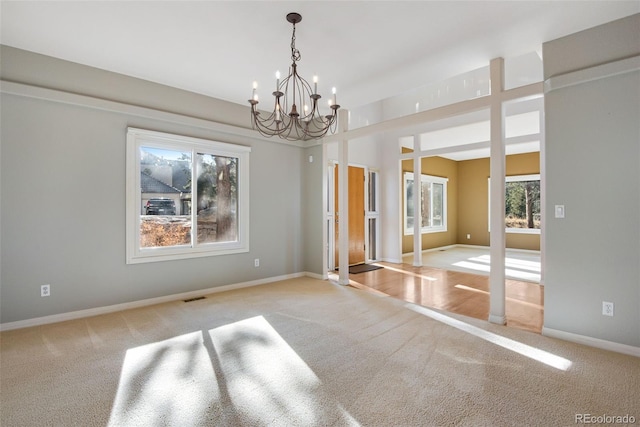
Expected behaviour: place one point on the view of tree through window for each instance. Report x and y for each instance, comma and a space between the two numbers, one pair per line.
432, 199
522, 203
217, 198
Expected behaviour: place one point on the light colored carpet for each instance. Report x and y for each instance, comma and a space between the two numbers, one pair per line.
519, 265
303, 352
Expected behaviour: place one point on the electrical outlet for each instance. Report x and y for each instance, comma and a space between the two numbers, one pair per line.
607, 308
45, 290
256, 262
468, 236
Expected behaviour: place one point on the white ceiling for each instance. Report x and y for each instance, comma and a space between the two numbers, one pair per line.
369, 50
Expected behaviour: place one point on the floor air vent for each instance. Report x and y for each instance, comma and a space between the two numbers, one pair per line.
193, 299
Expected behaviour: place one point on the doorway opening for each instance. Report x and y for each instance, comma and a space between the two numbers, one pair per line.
364, 215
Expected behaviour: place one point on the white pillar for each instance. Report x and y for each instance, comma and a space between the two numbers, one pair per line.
343, 201
417, 203
497, 188
543, 197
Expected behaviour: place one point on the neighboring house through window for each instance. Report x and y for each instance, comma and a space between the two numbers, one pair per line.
152, 188
165, 174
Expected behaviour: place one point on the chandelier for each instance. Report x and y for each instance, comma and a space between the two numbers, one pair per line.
296, 111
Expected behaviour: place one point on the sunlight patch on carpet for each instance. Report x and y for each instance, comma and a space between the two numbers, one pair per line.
520, 264
510, 272
267, 380
169, 382
534, 353
243, 372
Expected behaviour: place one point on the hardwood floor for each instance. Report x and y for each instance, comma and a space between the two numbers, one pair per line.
456, 292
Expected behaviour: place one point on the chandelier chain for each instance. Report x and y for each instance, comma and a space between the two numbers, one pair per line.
295, 53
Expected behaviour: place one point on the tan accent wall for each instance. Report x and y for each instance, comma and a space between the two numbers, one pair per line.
523, 241
473, 203
445, 168
523, 164
473, 198
468, 201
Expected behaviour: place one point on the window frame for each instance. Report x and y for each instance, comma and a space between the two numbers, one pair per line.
137, 138
372, 215
431, 180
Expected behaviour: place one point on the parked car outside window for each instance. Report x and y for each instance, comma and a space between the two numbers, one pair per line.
160, 207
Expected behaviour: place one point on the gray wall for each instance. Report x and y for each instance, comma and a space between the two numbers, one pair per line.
63, 194
312, 209
593, 168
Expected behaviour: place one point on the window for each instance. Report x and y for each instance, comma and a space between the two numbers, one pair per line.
372, 216
522, 204
186, 197
433, 196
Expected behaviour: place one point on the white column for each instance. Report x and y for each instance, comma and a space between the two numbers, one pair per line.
543, 197
325, 214
417, 205
343, 201
497, 171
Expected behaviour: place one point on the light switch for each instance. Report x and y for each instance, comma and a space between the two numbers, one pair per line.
559, 211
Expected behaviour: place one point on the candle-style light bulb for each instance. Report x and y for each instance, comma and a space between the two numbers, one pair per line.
277, 80
333, 91
315, 84
253, 95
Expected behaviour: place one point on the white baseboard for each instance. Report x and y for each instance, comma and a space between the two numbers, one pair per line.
392, 260
592, 342
441, 248
324, 276
72, 315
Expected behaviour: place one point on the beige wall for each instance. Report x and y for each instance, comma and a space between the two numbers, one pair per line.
468, 201
473, 194
473, 214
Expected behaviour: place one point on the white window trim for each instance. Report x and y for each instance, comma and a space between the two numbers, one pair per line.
515, 178
426, 178
140, 137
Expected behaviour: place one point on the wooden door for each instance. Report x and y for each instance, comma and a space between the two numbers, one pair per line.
356, 215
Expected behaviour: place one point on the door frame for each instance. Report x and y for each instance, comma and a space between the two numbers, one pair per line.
331, 213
